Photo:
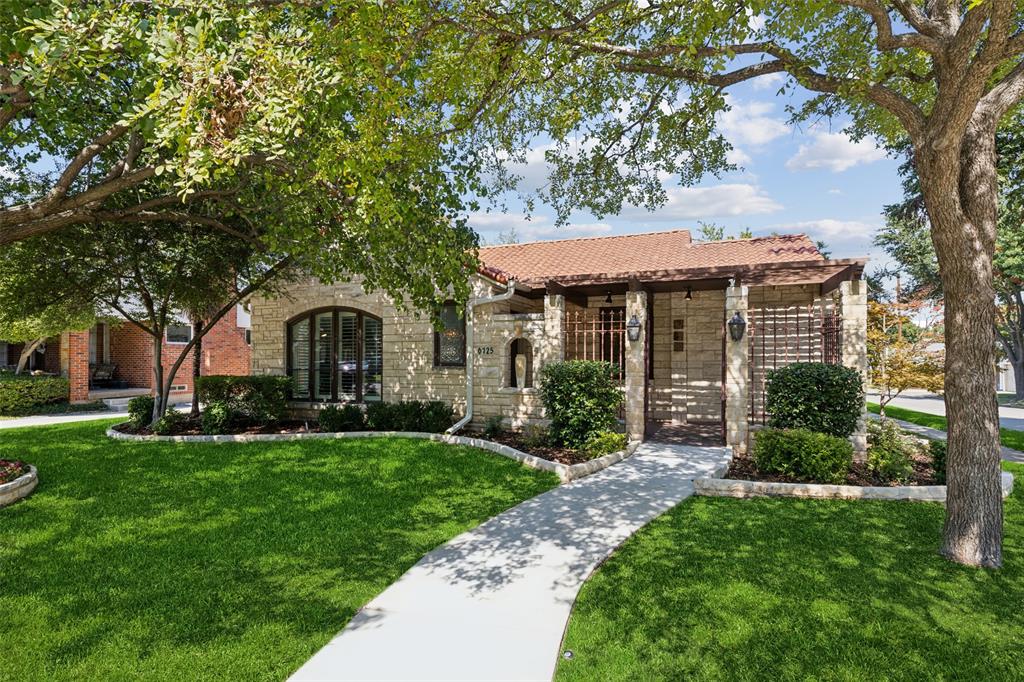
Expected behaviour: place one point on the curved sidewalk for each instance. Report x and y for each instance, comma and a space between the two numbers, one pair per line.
493, 603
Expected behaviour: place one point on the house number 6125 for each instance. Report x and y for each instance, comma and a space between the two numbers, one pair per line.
485, 350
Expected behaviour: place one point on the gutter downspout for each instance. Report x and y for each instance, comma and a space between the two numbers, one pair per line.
471, 359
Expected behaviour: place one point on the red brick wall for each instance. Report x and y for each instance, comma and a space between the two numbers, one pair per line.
224, 352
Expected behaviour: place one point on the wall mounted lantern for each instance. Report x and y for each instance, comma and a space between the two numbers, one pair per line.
737, 325
633, 328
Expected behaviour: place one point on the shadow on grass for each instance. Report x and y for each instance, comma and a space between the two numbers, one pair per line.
773, 588
172, 561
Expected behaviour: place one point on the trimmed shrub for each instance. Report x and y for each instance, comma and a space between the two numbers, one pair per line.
605, 443
581, 399
536, 436
437, 417
140, 410
937, 450
815, 396
19, 394
169, 423
260, 400
217, 418
803, 454
333, 419
493, 427
409, 415
889, 451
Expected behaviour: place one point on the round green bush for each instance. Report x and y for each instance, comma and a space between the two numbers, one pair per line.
803, 455
581, 399
937, 450
889, 451
217, 418
605, 443
140, 410
815, 396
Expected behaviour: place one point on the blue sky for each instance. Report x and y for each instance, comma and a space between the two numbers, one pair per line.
793, 179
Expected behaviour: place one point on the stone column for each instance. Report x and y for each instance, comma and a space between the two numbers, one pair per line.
636, 304
77, 364
737, 374
554, 330
854, 307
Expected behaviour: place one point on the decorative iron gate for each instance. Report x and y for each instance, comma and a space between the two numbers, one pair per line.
782, 335
597, 334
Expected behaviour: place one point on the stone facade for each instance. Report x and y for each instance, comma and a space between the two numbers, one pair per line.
694, 373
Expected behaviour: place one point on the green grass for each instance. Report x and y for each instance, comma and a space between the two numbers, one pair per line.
1008, 437
202, 561
763, 589
58, 408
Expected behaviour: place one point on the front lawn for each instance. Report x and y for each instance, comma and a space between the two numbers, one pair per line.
795, 589
202, 561
1008, 437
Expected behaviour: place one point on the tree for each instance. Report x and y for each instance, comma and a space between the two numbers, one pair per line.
148, 275
628, 93
184, 111
901, 360
905, 238
33, 330
713, 232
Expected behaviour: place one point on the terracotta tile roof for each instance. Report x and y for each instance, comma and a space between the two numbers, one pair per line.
536, 262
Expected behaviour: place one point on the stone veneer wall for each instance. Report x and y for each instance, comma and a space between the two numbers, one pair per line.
408, 369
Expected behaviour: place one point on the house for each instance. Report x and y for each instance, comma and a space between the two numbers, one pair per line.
1005, 381
114, 359
664, 309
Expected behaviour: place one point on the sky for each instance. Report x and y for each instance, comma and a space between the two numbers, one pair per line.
792, 179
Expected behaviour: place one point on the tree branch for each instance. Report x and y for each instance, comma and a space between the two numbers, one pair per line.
886, 40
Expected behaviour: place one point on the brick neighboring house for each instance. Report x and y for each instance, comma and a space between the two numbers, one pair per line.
129, 352
656, 305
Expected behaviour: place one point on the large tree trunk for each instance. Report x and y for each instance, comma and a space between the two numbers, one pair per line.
959, 186
1018, 379
197, 365
159, 394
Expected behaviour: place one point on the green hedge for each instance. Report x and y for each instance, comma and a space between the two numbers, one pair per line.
409, 415
815, 396
334, 418
20, 394
581, 398
259, 400
804, 455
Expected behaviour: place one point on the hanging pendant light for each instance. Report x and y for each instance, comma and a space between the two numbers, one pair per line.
689, 293
608, 298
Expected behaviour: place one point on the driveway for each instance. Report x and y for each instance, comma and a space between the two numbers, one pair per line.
929, 403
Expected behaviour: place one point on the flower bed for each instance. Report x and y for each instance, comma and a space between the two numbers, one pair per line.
188, 426
17, 480
743, 468
11, 469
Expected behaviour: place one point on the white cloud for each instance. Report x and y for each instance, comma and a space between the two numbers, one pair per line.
537, 227
835, 190
750, 123
835, 152
687, 203
771, 81
738, 157
7, 174
832, 228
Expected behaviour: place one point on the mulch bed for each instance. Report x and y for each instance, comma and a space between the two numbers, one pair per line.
743, 468
552, 453
10, 469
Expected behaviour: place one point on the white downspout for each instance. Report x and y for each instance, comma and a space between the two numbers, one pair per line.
471, 352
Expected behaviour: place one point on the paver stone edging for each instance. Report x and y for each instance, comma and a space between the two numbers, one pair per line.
727, 487
19, 488
564, 472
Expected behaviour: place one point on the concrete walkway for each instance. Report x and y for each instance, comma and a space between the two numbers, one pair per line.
493, 603
930, 403
1009, 454
47, 419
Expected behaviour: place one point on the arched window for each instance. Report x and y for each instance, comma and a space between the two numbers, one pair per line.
516, 348
336, 354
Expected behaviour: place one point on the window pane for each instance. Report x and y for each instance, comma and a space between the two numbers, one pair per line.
179, 333
300, 359
451, 347
373, 359
347, 356
322, 356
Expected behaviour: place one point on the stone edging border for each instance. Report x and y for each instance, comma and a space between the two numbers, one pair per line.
564, 472
19, 488
727, 487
